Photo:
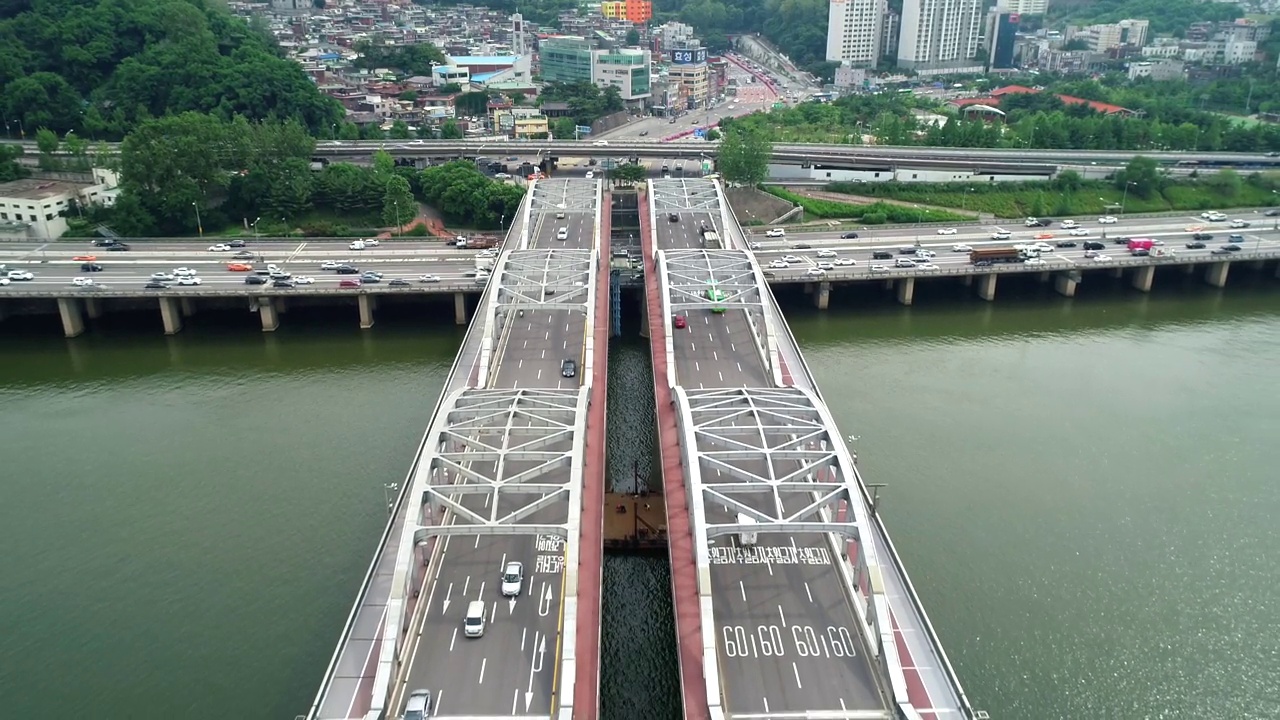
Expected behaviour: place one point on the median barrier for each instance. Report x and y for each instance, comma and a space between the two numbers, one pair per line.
1015, 224
16, 290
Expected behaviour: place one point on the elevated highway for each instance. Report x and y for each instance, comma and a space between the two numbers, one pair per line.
499, 478
790, 600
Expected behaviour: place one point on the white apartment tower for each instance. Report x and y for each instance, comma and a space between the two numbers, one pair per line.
1023, 7
940, 36
854, 30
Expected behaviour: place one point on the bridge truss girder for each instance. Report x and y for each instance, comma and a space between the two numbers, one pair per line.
690, 273
685, 195
770, 455
549, 278
518, 449
552, 195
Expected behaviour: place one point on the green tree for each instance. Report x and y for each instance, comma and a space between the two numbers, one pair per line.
399, 131
1225, 182
383, 164
627, 173
1141, 176
47, 141
743, 156
398, 205
415, 59
633, 37
562, 128
450, 130
348, 132
465, 195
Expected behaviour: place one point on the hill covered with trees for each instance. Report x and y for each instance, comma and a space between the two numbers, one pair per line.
101, 68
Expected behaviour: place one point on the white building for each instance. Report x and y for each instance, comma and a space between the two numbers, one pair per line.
1157, 71
1023, 7
941, 37
33, 207
855, 30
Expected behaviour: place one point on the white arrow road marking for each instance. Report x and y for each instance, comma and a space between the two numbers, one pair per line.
447, 594
544, 605
535, 666
796, 670
511, 605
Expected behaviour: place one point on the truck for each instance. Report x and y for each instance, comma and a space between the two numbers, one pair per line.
746, 538
476, 242
992, 255
1141, 244
484, 264
1038, 222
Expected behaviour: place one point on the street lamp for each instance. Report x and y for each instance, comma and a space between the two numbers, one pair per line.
255, 227
199, 225
396, 203
1125, 198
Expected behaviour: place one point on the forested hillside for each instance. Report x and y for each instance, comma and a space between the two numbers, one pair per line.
100, 67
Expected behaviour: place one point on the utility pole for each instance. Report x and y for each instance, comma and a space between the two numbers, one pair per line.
199, 225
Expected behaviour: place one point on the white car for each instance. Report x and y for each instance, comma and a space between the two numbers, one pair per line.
1108, 220
1239, 224
279, 274
946, 231
826, 266
791, 259
1042, 247
512, 579
1068, 224
961, 248
370, 242
163, 277
4, 281
1102, 258
356, 245
1036, 261
925, 254
780, 264
601, 143
330, 265
220, 247
304, 280
846, 261
815, 271
1078, 231
1001, 235
590, 175
926, 266
183, 271
879, 269
827, 253
188, 280
776, 232
82, 282
429, 278
754, 245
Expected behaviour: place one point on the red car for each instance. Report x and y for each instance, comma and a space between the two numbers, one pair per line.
349, 282
679, 322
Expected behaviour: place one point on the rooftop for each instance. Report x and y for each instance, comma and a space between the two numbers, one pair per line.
485, 59
37, 189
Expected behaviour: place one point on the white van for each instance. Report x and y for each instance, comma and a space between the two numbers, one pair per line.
357, 245
473, 624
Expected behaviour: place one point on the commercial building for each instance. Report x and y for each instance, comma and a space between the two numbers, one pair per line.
941, 37
484, 69
1002, 31
1158, 71
1101, 38
33, 208
626, 69
855, 31
632, 11
1022, 7
565, 59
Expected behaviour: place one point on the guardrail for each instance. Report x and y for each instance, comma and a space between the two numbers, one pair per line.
16, 290
1014, 224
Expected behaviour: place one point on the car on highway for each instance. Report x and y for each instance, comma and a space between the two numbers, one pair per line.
1212, 216
1042, 247
118, 247
418, 706
155, 285
188, 280
1068, 224
220, 247
1079, 231
679, 322
21, 275
844, 262
1036, 261
162, 277
235, 243
926, 254
881, 255
672, 217
1093, 245
4, 281
1102, 258
879, 269
904, 263
1273, 212
347, 270
1044, 236
801, 246
776, 232
369, 277
428, 278
779, 264
1235, 238
255, 280
947, 231
1232, 247
1065, 244
330, 265
849, 236
1239, 224
755, 245
1107, 220
283, 283
1195, 245
349, 283
399, 282
239, 267
791, 259
1001, 234
356, 245
82, 282
1202, 236
180, 271
827, 253
513, 575
304, 280
1220, 251
926, 266
562, 234
961, 247
279, 274
826, 266
90, 267
243, 255
85, 258
601, 143
569, 368
816, 271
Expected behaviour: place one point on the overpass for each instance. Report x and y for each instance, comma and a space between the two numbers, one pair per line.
791, 601
510, 469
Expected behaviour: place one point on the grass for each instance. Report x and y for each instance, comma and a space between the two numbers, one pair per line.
876, 213
318, 222
1021, 200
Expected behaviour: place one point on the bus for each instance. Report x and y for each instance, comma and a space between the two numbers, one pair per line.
716, 296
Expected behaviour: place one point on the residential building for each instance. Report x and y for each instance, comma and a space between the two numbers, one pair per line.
1023, 7
890, 31
33, 207
850, 77
565, 60
691, 81
1002, 32
633, 11
1102, 38
940, 37
626, 69
1158, 71
855, 31
485, 69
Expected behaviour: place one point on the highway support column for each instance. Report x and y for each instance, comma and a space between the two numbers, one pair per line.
1216, 274
987, 287
822, 295
72, 320
267, 313
459, 308
1065, 284
188, 306
1142, 277
170, 315
366, 311
644, 317
1189, 269
906, 290
92, 308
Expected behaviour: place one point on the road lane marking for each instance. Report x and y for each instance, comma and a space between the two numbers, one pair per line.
766, 704
493, 612
524, 633
783, 617
794, 669
453, 639
514, 700
842, 707
466, 584
484, 661
480, 594
807, 592
448, 593
439, 694
477, 542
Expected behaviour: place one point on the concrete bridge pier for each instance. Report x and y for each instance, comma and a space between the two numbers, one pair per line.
92, 308
1142, 277
1045, 276
1065, 284
987, 287
366, 310
188, 306
267, 313
72, 319
822, 295
906, 290
1216, 274
644, 317
171, 315
1277, 275
459, 308
967, 280
1117, 272
1189, 269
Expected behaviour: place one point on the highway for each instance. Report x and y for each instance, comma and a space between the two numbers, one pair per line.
786, 637
511, 670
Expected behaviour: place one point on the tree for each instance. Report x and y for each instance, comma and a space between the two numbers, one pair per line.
743, 156
47, 141
1226, 182
399, 130
348, 132
415, 59
398, 205
633, 37
627, 173
1141, 176
383, 164
449, 130
563, 128
464, 194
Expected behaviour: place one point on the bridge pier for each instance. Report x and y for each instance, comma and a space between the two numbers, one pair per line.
188, 306
1189, 269
1142, 277
1065, 284
92, 308
644, 318
1117, 272
1277, 275
987, 287
1216, 274
366, 310
170, 315
906, 290
459, 308
967, 280
267, 313
72, 320
822, 295
1045, 276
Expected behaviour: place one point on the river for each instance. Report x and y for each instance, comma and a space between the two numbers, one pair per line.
1083, 492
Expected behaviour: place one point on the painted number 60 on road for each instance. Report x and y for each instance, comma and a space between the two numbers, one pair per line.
805, 642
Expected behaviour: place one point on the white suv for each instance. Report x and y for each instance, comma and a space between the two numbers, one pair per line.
776, 232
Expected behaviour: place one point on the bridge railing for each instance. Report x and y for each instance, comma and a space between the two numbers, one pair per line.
1013, 224
466, 359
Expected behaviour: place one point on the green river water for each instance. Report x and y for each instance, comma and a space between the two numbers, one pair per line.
1084, 492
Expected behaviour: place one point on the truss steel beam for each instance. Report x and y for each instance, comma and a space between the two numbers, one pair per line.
692, 273
549, 278
685, 195
555, 195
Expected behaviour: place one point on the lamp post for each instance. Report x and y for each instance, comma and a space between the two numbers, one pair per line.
199, 225
1125, 197
255, 227
399, 231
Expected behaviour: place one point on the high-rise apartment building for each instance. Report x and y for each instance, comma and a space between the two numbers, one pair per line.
940, 36
1002, 32
1023, 7
855, 31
